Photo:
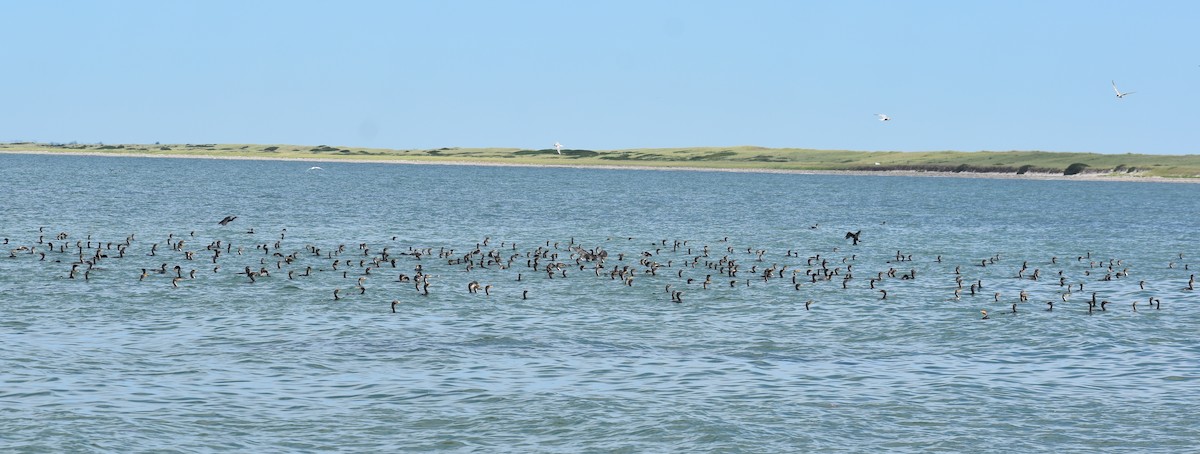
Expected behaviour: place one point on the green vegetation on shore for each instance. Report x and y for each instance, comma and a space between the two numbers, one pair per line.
738, 158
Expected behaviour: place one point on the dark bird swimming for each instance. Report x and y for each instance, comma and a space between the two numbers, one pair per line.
854, 236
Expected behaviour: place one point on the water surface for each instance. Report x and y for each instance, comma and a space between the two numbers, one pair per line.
119, 363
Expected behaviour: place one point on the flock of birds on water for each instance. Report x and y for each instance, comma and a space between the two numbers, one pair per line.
677, 268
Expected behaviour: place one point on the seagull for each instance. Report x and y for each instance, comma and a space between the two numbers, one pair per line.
883, 117
315, 168
1119, 94
558, 147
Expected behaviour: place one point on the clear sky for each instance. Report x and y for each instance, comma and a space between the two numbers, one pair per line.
952, 75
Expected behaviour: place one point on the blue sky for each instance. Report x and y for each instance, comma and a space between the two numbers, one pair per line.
953, 75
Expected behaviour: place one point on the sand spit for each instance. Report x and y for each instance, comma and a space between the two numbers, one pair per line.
897, 173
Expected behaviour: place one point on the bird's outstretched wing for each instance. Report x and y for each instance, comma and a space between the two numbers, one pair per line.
853, 236
1119, 94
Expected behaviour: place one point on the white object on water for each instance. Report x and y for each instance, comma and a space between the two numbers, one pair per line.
1119, 94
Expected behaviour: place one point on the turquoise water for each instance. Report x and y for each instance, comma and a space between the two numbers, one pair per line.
587, 363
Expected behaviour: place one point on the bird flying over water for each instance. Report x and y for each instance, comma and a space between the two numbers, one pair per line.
227, 220
883, 117
315, 168
1119, 94
558, 147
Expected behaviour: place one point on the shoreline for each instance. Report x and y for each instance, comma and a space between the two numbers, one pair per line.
892, 173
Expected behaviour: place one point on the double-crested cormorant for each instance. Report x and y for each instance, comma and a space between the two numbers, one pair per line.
854, 236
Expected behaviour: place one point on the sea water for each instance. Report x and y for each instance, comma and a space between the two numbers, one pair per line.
581, 359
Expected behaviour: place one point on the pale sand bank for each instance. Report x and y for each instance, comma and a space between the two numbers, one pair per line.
898, 173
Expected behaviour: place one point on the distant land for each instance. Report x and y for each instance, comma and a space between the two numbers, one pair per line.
1031, 164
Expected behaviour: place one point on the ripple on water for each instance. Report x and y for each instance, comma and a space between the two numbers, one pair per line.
587, 363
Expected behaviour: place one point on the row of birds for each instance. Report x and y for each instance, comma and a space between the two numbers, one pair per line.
676, 265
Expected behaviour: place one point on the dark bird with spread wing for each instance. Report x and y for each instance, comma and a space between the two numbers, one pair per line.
853, 236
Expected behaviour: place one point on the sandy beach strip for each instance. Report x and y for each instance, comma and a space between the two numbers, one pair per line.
895, 173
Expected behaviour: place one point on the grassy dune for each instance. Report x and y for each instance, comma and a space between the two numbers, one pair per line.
745, 157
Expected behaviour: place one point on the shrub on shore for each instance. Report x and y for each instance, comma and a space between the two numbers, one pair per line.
552, 152
961, 168
1075, 168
